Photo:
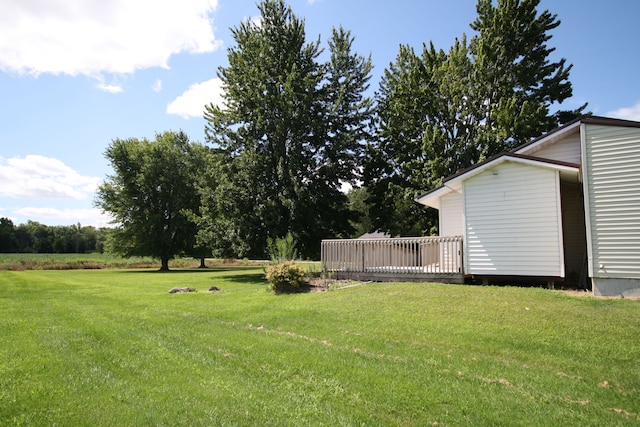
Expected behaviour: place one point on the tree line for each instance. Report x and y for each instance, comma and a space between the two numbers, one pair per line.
34, 237
298, 123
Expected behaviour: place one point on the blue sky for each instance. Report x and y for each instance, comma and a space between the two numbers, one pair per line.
76, 74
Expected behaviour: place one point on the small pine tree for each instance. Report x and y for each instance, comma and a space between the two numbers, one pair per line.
282, 249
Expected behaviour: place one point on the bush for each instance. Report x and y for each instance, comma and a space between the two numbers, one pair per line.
286, 276
282, 249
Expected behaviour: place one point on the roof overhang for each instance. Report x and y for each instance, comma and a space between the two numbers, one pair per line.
569, 128
569, 171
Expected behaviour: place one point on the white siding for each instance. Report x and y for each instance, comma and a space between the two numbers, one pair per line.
513, 224
565, 150
451, 221
612, 189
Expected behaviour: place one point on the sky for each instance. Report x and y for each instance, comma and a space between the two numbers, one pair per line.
77, 74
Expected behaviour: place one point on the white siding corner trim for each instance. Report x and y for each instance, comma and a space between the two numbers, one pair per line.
513, 221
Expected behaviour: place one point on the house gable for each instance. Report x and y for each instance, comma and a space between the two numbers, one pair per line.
566, 149
512, 222
455, 182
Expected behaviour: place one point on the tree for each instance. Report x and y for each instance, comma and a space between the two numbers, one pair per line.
8, 240
74, 239
439, 113
349, 111
151, 194
35, 237
518, 82
399, 165
287, 137
362, 223
25, 238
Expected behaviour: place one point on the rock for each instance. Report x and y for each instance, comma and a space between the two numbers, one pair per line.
180, 290
214, 289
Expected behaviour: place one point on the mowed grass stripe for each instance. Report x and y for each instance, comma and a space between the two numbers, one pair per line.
113, 347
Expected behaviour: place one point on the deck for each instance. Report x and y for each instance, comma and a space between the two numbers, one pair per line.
434, 259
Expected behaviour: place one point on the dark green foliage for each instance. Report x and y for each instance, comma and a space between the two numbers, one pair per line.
152, 195
289, 134
518, 83
358, 204
34, 237
440, 112
8, 240
282, 249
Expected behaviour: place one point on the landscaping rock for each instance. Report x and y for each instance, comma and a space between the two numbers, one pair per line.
180, 290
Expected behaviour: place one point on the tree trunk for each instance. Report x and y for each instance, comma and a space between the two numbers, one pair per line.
165, 264
202, 264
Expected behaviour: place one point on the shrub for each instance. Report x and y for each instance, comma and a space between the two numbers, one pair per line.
286, 276
282, 249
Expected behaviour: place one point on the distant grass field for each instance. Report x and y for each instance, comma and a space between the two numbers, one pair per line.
113, 348
19, 262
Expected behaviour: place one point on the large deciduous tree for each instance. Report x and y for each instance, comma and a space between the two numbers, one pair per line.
151, 194
440, 112
517, 80
289, 133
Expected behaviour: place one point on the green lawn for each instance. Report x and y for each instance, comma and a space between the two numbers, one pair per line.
113, 348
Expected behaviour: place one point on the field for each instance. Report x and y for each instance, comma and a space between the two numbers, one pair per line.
113, 347
20, 262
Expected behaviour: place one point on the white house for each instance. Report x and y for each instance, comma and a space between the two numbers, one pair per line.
565, 206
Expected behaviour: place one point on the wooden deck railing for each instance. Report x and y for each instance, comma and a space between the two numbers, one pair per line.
438, 255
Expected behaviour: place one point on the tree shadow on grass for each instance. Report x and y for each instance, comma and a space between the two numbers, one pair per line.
247, 279
303, 289
176, 270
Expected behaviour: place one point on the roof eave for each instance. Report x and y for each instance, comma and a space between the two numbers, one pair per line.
454, 183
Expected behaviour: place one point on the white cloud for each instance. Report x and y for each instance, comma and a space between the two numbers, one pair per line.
191, 103
109, 88
157, 85
80, 37
628, 113
43, 177
92, 217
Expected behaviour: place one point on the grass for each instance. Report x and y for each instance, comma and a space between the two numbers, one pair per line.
20, 262
112, 347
